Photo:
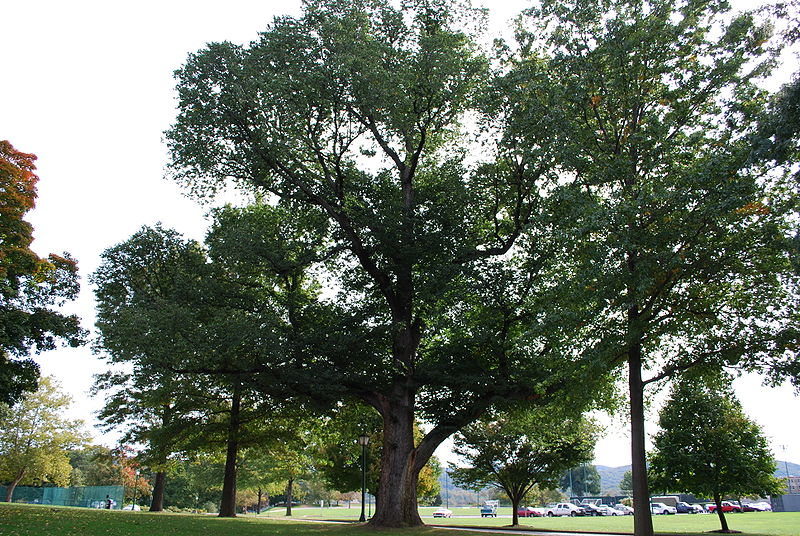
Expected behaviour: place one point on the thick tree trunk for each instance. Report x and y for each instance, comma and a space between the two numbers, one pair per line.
642, 519
228, 505
396, 504
722, 521
289, 496
157, 504
13, 484
515, 510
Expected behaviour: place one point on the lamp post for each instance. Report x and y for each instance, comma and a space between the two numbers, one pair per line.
135, 482
363, 440
446, 490
786, 466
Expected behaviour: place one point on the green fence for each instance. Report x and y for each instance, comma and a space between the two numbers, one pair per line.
86, 496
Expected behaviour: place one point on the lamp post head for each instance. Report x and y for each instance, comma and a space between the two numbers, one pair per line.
363, 440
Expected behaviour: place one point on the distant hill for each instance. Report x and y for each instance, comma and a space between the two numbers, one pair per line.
610, 477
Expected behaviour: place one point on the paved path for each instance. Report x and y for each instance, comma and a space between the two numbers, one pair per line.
498, 530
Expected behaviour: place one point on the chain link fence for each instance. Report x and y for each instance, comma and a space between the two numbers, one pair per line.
85, 496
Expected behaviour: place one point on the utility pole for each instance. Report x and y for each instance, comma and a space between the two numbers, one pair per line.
786, 466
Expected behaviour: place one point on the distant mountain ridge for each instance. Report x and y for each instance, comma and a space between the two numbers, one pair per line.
610, 477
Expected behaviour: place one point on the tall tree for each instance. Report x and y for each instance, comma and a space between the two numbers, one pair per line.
35, 438
726, 454
516, 451
677, 236
201, 329
30, 286
136, 288
581, 480
354, 112
626, 484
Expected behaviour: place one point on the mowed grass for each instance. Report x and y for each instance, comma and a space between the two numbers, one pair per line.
749, 523
35, 520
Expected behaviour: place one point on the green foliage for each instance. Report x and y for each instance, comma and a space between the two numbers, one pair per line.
626, 484
709, 447
31, 288
678, 239
194, 482
94, 465
35, 438
520, 449
581, 481
615, 213
541, 496
675, 237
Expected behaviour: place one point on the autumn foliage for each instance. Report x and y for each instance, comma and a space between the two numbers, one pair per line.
17, 197
29, 285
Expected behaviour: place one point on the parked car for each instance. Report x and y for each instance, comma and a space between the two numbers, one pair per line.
564, 509
657, 508
590, 509
624, 508
606, 510
727, 507
488, 510
686, 508
701, 509
442, 512
528, 511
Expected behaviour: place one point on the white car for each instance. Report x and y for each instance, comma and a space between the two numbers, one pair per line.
625, 509
606, 510
442, 512
657, 508
563, 509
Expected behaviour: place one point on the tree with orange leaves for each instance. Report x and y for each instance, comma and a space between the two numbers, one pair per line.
29, 285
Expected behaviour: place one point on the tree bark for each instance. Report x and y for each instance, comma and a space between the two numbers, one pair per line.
13, 484
258, 507
228, 505
722, 521
157, 503
642, 518
289, 496
396, 504
515, 510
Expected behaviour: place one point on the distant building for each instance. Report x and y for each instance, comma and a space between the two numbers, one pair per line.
786, 503
793, 485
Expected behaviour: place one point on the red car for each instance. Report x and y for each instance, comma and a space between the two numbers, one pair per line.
727, 507
528, 511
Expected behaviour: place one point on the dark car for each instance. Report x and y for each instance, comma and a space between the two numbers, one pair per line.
590, 510
685, 508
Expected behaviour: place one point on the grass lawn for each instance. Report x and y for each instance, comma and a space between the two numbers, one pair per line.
35, 520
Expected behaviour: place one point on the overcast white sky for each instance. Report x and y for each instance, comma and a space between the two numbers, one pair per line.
87, 86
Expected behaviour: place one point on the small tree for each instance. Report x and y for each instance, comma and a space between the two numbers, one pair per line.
514, 452
626, 484
720, 453
35, 439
